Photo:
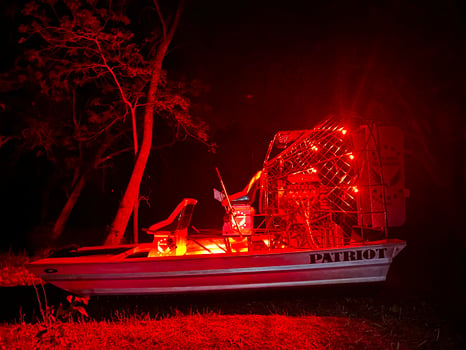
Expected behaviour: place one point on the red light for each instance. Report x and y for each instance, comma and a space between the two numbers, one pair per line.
351, 156
355, 189
343, 131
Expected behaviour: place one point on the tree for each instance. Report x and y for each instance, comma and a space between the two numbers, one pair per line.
75, 46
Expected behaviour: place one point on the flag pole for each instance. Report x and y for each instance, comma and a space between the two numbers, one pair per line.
230, 207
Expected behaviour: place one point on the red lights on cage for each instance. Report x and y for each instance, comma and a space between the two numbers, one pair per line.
320, 169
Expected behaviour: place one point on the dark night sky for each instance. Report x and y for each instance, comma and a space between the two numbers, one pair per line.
289, 59
274, 65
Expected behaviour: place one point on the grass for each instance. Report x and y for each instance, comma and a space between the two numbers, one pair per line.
212, 331
13, 272
284, 319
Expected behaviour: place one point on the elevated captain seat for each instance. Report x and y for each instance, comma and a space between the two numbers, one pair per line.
248, 194
170, 234
241, 219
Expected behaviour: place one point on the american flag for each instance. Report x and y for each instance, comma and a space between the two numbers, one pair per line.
220, 196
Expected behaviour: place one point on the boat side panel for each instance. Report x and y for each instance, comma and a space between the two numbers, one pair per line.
223, 272
352, 273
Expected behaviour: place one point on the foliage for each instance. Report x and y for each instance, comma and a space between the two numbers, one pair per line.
88, 73
74, 309
13, 271
173, 104
83, 43
74, 46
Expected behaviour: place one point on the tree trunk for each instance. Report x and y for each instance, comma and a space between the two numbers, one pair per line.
136, 205
45, 204
135, 222
80, 181
131, 195
66, 211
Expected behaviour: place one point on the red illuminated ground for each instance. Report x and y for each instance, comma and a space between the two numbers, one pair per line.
205, 331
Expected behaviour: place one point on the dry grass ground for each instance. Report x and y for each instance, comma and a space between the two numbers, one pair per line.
201, 332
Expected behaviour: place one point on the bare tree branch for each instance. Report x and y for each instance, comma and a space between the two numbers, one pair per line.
162, 20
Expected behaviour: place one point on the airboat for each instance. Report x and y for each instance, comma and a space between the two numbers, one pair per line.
317, 213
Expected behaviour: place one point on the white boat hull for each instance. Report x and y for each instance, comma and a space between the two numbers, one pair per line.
120, 275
